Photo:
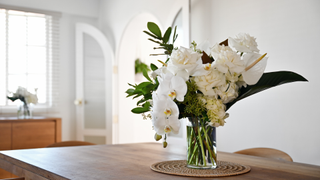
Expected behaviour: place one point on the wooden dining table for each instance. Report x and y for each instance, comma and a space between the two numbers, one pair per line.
132, 161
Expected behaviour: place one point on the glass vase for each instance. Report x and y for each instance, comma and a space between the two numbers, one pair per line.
24, 111
201, 144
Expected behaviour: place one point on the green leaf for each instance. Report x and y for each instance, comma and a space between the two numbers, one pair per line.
174, 34
268, 80
154, 28
12, 98
154, 41
139, 110
153, 67
142, 85
166, 35
145, 74
130, 92
144, 108
156, 37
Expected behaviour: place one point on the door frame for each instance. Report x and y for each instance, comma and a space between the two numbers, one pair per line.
81, 29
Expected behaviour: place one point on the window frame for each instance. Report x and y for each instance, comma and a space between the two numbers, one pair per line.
52, 60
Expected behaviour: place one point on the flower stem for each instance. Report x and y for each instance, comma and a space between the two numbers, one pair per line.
202, 149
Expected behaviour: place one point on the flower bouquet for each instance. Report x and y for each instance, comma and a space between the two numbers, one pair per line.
201, 83
26, 98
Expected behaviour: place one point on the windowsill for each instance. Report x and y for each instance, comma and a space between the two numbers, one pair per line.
36, 110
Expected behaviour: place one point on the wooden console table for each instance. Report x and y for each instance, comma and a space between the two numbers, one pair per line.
37, 132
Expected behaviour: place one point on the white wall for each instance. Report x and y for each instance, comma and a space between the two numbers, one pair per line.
285, 117
72, 11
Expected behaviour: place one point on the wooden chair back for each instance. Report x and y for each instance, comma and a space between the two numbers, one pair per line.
266, 152
70, 143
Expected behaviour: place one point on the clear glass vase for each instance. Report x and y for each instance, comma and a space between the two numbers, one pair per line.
24, 111
201, 143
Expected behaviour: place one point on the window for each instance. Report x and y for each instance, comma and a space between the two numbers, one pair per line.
29, 55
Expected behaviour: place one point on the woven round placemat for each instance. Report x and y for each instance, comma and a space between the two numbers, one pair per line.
179, 167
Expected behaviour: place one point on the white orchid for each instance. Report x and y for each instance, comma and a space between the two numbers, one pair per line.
244, 43
164, 114
173, 86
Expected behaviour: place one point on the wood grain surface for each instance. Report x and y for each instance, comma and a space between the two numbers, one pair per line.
132, 161
5, 136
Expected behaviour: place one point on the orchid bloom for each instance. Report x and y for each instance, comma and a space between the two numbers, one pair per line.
173, 86
164, 114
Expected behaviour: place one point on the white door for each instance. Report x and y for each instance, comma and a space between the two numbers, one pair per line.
93, 85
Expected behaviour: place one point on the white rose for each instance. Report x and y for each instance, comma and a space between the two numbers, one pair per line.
217, 49
227, 61
184, 59
206, 83
243, 43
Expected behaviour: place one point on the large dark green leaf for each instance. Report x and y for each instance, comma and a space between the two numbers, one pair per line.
154, 28
268, 80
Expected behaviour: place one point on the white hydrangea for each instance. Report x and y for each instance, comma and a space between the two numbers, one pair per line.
216, 111
207, 83
227, 92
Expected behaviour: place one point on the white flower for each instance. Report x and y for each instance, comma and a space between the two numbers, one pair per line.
173, 86
164, 114
216, 111
205, 46
21, 91
232, 77
253, 75
159, 72
28, 97
243, 43
217, 49
206, 83
227, 92
227, 60
185, 62
31, 98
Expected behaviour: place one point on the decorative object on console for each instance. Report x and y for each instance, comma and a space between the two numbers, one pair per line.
26, 98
